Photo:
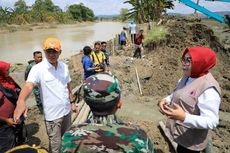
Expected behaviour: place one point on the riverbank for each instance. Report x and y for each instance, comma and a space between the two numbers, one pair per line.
8, 28
158, 71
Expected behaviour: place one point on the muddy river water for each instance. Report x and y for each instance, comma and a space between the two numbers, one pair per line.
17, 47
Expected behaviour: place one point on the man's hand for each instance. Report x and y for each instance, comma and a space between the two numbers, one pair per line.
19, 110
21, 103
74, 107
97, 67
176, 113
10, 122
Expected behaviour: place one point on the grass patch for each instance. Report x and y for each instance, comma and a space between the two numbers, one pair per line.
218, 28
155, 34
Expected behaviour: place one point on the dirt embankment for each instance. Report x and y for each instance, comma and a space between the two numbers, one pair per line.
159, 72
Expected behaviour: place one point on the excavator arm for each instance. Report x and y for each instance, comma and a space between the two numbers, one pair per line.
205, 11
219, 0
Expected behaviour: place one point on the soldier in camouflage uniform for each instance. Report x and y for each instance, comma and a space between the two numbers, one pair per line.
103, 132
37, 59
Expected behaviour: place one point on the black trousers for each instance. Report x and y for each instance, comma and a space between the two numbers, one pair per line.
7, 138
137, 53
181, 149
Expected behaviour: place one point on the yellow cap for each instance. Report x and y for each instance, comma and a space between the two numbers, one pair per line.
52, 43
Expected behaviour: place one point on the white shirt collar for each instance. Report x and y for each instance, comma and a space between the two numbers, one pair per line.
49, 66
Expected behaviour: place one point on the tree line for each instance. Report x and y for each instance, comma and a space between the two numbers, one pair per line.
44, 11
145, 10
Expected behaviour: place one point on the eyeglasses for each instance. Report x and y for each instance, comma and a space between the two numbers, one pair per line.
186, 61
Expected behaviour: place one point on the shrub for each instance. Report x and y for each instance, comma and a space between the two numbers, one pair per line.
155, 34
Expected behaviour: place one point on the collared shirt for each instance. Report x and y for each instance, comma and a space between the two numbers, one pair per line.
106, 53
98, 59
123, 36
53, 88
87, 63
28, 68
208, 103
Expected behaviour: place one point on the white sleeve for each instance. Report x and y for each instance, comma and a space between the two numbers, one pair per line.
169, 98
208, 103
68, 74
34, 75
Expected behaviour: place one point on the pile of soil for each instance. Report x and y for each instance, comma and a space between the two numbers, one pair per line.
159, 72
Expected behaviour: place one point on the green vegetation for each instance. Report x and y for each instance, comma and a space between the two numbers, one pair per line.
123, 14
155, 34
148, 10
44, 11
81, 13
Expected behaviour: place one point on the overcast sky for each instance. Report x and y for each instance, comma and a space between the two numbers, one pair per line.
110, 7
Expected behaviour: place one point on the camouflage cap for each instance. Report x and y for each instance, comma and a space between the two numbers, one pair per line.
101, 92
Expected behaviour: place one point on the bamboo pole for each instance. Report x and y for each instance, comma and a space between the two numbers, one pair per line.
113, 46
76, 91
80, 114
83, 108
138, 81
79, 107
83, 114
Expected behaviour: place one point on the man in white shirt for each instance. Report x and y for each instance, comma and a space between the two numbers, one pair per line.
132, 30
53, 79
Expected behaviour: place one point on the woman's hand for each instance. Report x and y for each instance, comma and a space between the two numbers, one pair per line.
10, 122
176, 113
161, 105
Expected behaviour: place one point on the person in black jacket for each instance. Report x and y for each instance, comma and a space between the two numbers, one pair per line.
9, 91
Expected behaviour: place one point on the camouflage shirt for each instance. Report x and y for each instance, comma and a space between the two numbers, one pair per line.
105, 135
28, 68
36, 89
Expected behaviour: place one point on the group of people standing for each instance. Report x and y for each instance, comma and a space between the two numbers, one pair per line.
101, 92
192, 109
96, 60
130, 33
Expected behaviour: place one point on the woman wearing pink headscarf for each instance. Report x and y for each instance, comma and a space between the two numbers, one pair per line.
194, 105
